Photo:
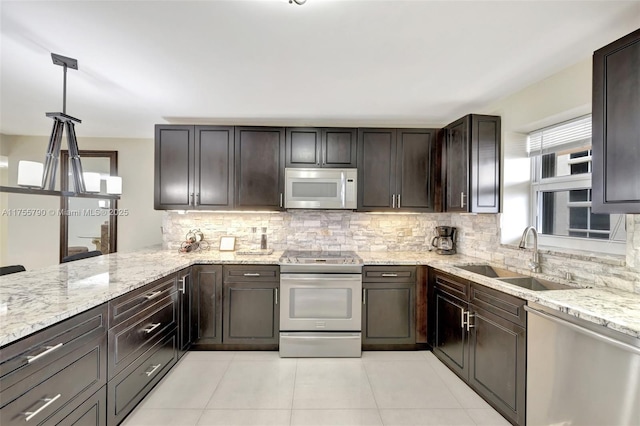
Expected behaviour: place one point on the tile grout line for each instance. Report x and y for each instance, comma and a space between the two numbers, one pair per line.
364, 365
293, 394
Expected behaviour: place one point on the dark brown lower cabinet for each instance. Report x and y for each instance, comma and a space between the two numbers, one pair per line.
92, 412
480, 334
206, 305
388, 305
251, 309
131, 385
45, 377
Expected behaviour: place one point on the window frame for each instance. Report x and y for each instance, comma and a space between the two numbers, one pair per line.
566, 183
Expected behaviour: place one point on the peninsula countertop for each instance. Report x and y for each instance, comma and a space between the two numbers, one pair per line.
33, 300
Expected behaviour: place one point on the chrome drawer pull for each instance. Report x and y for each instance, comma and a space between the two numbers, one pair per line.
153, 370
153, 295
469, 316
389, 275
49, 349
251, 274
183, 281
276, 296
153, 327
48, 401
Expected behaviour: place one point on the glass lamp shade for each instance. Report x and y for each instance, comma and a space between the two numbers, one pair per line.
114, 185
91, 181
30, 174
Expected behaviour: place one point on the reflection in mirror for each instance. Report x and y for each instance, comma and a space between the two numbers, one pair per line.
88, 224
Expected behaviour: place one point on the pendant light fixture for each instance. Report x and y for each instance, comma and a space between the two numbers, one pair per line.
61, 121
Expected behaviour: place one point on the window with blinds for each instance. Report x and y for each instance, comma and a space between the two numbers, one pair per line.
561, 190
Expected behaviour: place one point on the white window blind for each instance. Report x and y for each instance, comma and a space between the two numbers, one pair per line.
575, 133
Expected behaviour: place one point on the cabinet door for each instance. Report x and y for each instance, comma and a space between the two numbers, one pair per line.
251, 313
174, 167
497, 356
339, 147
303, 147
376, 169
416, 169
484, 194
616, 144
206, 309
388, 313
185, 311
451, 345
214, 154
259, 168
457, 166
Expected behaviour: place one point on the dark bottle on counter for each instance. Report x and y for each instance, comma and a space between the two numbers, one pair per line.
263, 239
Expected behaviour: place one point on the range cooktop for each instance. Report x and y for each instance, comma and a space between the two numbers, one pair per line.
320, 257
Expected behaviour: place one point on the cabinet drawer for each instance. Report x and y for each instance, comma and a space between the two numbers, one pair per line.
455, 286
130, 386
21, 359
76, 376
501, 304
92, 412
250, 273
133, 337
130, 304
394, 274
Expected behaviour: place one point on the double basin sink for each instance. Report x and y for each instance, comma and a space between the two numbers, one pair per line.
510, 277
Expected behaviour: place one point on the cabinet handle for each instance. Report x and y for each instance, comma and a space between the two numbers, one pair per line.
281, 200
364, 296
197, 202
153, 327
276, 296
393, 201
183, 281
153, 295
385, 274
462, 199
398, 200
191, 203
462, 315
251, 274
469, 316
48, 350
48, 401
153, 370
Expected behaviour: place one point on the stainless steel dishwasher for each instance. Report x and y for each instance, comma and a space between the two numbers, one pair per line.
580, 373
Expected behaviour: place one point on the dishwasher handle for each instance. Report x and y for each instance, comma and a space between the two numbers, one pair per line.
585, 331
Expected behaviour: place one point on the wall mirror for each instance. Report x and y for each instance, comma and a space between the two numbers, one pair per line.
88, 224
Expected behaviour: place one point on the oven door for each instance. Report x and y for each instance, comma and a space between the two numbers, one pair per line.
320, 302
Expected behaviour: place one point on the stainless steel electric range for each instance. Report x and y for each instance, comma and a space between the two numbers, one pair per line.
320, 308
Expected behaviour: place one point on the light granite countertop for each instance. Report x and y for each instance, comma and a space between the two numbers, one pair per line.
33, 300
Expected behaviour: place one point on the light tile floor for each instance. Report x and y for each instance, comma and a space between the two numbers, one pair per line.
260, 388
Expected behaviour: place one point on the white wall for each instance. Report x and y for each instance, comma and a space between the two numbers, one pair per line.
562, 96
34, 241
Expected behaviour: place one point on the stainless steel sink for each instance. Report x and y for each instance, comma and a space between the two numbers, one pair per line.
490, 271
535, 284
510, 277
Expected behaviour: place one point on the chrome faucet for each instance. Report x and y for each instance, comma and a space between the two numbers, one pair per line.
534, 265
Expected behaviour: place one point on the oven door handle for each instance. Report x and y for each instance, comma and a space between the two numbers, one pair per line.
298, 278
321, 337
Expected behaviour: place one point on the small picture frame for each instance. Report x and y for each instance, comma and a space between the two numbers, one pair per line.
227, 243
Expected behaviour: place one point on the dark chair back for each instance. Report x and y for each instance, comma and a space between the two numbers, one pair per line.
6, 270
79, 256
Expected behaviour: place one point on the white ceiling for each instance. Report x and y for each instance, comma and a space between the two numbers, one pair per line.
340, 62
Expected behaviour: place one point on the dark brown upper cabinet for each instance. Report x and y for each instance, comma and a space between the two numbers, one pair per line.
472, 164
616, 126
321, 147
194, 167
396, 169
259, 173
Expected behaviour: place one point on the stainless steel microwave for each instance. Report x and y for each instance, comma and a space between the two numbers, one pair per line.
320, 188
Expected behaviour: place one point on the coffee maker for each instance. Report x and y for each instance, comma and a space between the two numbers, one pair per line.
445, 240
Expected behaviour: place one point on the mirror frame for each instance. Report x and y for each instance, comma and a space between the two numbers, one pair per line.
64, 201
